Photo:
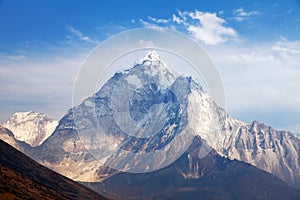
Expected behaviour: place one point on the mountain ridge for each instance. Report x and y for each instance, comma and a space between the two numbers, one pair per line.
31, 127
65, 150
191, 177
274, 151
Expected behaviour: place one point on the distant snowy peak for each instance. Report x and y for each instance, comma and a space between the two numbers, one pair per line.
31, 127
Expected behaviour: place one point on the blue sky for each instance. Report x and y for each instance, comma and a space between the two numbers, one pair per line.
255, 45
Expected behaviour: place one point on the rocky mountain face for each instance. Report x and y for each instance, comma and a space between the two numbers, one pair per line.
65, 153
277, 152
23, 178
31, 127
189, 177
7, 136
98, 134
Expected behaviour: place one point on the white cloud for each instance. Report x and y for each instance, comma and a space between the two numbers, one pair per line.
13, 55
287, 48
147, 24
79, 35
241, 14
159, 21
205, 27
177, 19
152, 25
210, 29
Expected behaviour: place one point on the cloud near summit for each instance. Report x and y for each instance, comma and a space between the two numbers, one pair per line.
208, 27
205, 27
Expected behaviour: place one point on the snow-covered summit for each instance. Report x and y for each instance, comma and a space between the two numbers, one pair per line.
153, 59
31, 127
152, 65
153, 56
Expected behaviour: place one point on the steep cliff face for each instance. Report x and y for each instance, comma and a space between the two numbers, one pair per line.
141, 120
274, 151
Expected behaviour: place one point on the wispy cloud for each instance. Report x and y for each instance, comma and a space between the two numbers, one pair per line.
287, 48
148, 24
240, 14
159, 21
108, 30
13, 56
177, 19
210, 29
79, 35
207, 28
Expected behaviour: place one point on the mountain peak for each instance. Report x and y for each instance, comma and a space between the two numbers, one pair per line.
31, 127
154, 58
25, 113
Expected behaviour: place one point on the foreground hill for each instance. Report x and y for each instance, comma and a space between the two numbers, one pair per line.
23, 178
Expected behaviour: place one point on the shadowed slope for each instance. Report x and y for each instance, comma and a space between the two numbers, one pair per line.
23, 178
213, 177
